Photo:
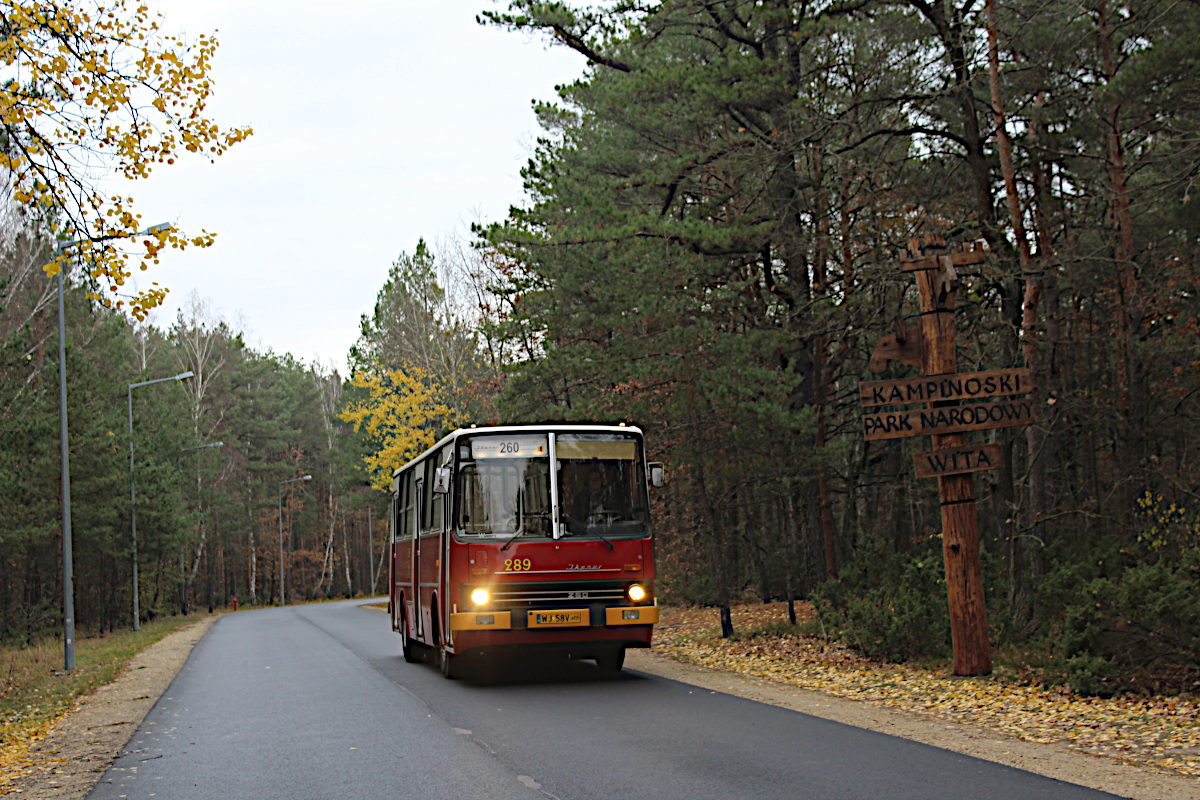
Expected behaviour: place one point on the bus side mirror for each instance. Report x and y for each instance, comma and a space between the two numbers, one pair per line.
441, 480
658, 474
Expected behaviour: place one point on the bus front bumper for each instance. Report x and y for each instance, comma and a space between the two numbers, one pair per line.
554, 618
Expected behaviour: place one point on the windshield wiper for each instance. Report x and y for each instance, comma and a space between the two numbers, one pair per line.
515, 536
586, 529
524, 530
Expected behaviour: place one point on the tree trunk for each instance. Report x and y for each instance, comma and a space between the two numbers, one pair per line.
785, 533
753, 534
346, 559
253, 570
1131, 314
716, 554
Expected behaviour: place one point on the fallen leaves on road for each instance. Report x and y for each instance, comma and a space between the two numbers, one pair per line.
1159, 731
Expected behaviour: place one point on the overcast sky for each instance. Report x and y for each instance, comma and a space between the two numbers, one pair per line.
376, 122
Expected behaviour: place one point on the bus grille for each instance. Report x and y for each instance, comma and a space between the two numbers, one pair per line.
534, 595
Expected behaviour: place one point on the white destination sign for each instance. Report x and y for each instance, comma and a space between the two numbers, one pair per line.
509, 447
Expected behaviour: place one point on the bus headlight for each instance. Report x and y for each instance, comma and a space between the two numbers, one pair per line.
636, 593
479, 596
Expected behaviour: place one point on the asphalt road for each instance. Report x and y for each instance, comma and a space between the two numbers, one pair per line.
314, 702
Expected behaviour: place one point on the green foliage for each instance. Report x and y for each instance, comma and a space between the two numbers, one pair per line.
709, 247
889, 606
1114, 623
207, 517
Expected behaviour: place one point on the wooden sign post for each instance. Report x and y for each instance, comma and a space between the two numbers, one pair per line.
960, 528
946, 418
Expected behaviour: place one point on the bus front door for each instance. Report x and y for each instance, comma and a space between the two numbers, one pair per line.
418, 614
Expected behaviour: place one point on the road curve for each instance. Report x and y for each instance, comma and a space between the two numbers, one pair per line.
315, 702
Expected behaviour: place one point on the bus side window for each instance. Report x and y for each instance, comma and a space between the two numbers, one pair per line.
431, 517
397, 507
404, 503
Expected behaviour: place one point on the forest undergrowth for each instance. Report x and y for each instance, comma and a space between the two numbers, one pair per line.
1147, 730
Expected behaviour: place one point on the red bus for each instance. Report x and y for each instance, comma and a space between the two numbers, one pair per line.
530, 536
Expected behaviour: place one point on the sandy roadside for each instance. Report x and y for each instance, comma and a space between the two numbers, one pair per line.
73, 756
77, 751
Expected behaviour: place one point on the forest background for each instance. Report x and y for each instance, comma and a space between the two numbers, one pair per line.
709, 248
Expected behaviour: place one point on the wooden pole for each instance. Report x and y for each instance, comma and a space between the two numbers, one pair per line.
960, 526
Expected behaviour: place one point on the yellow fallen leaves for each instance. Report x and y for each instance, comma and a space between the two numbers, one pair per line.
1159, 731
15, 759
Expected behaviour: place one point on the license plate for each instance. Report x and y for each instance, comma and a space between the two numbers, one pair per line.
559, 619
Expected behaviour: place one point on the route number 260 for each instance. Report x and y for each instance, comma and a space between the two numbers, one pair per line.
518, 564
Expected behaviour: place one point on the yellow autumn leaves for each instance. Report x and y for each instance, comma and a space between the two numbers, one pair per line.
95, 88
402, 415
1152, 730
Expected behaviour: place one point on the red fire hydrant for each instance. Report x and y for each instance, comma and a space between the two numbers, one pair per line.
235, 602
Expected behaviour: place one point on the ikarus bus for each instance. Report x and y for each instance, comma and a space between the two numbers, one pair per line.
529, 536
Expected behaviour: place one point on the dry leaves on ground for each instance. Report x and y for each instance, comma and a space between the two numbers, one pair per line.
16, 761
1159, 731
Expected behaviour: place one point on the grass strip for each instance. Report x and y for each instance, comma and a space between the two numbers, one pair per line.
35, 691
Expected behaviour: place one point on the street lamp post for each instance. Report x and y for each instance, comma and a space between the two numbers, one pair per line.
68, 569
68, 565
182, 565
282, 587
137, 624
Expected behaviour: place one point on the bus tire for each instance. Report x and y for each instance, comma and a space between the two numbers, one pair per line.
445, 659
611, 661
407, 648
446, 662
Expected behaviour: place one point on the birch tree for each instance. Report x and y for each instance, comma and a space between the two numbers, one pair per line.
100, 88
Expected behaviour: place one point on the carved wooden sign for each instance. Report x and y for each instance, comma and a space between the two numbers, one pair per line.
947, 419
952, 462
935, 388
958, 460
958, 258
904, 346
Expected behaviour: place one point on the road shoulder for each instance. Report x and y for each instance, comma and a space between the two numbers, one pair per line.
1053, 761
68, 761
74, 755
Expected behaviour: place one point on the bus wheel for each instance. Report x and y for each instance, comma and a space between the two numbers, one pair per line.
611, 661
446, 662
407, 648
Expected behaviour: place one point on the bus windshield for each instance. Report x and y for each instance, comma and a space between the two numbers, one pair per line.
504, 486
601, 485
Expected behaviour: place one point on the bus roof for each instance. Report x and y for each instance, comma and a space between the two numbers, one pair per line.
547, 427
